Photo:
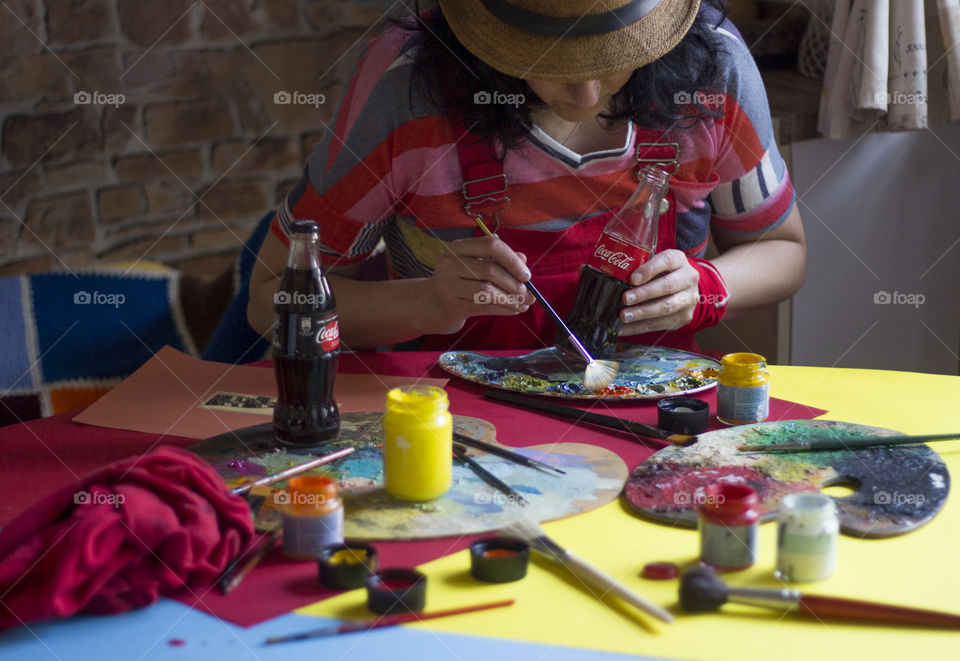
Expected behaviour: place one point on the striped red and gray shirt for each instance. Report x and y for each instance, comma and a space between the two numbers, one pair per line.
387, 168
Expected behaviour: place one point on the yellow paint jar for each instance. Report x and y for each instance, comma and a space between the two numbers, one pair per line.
417, 443
743, 389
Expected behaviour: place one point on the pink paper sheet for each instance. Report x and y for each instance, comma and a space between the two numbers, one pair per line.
164, 396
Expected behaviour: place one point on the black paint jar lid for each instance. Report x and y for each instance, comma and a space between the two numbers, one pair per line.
347, 566
499, 559
683, 415
396, 591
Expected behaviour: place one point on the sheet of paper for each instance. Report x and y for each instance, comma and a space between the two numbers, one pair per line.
178, 395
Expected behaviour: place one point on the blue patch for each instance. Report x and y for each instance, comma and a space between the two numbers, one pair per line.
15, 360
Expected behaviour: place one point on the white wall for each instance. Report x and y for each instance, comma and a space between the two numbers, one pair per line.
881, 214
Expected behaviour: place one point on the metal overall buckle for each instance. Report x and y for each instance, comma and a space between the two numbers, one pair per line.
484, 198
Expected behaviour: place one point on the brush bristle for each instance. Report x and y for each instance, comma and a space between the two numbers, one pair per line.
530, 530
599, 374
701, 590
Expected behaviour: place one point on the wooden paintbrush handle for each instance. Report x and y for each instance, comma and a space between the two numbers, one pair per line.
855, 609
609, 585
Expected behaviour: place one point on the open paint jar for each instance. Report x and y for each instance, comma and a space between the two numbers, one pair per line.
347, 566
499, 559
417, 443
396, 591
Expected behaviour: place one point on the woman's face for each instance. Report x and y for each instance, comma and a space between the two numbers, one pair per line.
576, 102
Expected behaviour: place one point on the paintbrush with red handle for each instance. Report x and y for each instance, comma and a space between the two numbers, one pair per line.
385, 621
702, 590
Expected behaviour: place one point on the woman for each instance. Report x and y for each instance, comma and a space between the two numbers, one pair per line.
536, 121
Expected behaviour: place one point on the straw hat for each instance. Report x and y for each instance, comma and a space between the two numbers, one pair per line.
569, 40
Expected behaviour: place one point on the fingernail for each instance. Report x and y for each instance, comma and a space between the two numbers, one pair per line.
526, 273
636, 279
631, 298
627, 316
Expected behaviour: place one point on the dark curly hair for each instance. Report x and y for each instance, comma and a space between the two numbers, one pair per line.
647, 99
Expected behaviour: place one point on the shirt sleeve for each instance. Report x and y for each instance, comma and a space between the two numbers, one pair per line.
754, 193
348, 185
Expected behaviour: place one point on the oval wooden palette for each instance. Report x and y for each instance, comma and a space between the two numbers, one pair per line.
897, 489
594, 477
645, 373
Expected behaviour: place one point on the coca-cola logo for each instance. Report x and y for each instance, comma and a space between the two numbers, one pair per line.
619, 259
328, 337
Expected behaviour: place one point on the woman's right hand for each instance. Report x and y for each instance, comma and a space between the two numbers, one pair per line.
479, 276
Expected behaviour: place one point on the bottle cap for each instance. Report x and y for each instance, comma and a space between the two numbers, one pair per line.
311, 494
499, 559
347, 566
396, 591
304, 227
683, 415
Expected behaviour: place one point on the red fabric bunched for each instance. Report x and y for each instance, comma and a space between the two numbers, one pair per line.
713, 295
120, 538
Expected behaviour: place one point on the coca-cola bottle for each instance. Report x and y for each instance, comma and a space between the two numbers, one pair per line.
628, 240
306, 345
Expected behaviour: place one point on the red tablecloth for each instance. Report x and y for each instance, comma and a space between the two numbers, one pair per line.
42, 456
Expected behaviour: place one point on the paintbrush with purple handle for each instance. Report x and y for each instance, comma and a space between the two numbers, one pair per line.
293, 471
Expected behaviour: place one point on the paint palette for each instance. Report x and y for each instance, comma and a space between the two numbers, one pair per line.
645, 373
594, 477
896, 489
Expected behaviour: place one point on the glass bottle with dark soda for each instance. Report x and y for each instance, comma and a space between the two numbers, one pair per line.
306, 345
628, 240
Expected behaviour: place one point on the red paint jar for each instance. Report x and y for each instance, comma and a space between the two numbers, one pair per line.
729, 517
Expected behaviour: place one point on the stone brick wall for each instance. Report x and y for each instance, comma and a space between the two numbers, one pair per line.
132, 129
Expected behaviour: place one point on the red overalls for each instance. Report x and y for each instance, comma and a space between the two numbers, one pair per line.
554, 258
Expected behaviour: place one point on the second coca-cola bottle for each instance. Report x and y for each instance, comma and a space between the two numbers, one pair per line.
628, 240
306, 345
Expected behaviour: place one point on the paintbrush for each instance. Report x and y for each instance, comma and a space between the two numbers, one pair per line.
538, 540
293, 471
385, 621
515, 457
231, 576
701, 590
598, 373
826, 444
461, 454
608, 421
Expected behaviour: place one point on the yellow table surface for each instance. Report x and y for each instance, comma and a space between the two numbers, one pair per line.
919, 569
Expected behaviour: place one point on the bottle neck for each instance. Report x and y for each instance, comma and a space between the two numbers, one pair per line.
637, 222
304, 252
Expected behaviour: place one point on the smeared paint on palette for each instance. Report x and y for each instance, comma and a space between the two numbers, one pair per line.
898, 489
595, 476
645, 373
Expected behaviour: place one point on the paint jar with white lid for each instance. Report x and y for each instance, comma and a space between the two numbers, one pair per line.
807, 529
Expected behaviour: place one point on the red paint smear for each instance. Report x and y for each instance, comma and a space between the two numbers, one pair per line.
676, 485
176, 642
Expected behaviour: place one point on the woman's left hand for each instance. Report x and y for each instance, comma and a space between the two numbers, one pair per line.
664, 296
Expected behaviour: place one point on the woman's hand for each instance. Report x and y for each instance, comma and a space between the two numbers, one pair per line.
474, 277
664, 296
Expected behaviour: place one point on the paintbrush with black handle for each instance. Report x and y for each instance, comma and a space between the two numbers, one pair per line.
701, 590
461, 454
515, 457
608, 421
